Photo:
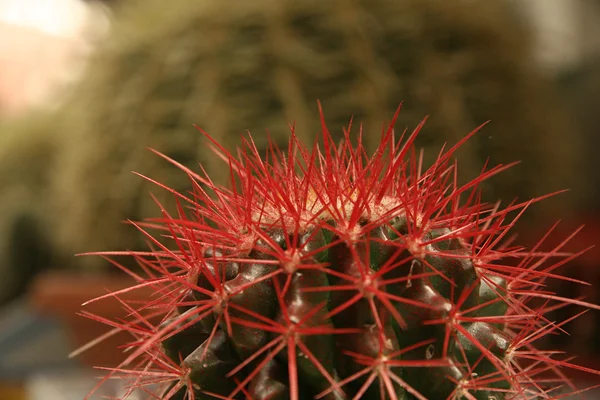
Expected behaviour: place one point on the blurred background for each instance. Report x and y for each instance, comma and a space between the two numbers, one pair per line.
87, 85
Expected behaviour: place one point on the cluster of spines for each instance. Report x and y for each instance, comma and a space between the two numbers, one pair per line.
331, 274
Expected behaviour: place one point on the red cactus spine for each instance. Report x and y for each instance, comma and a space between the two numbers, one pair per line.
325, 273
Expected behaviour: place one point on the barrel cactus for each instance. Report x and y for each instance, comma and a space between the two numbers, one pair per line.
321, 272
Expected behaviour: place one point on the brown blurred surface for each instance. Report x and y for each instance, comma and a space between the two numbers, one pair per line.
9, 391
60, 295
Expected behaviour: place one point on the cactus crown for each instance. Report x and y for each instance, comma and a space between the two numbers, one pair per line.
327, 273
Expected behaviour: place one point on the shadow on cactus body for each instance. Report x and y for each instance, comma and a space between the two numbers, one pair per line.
327, 273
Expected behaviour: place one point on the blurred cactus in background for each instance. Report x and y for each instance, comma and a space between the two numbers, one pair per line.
580, 87
231, 67
29, 148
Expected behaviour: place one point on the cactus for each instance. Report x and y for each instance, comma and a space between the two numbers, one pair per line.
261, 64
26, 167
161, 70
324, 273
580, 86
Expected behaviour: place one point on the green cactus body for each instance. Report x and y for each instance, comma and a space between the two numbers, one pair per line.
326, 274
378, 334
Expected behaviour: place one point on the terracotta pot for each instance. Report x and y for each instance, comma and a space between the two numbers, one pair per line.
60, 295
